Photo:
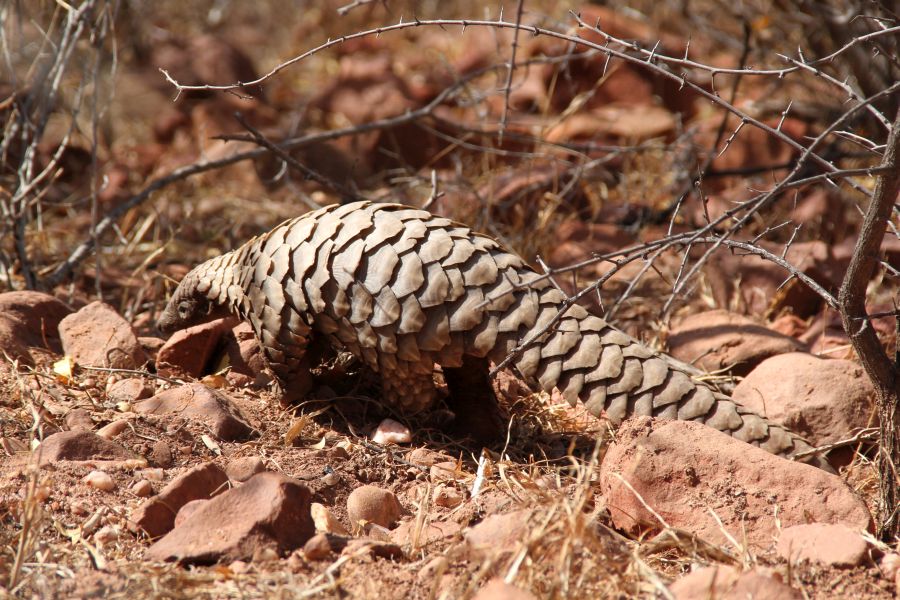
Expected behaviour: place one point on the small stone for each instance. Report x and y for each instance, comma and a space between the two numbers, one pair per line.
161, 454
198, 402
647, 451
498, 534
374, 548
372, 504
326, 522
497, 589
242, 469
722, 341
834, 545
106, 535
823, 400
30, 320
100, 480
425, 457
188, 351
97, 336
80, 508
317, 547
79, 445
142, 489
156, 474
338, 453
724, 582
448, 497
111, 430
391, 432
156, 516
128, 390
79, 419
412, 534
268, 511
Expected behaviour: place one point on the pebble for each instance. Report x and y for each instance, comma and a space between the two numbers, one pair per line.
106, 535
113, 429
142, 489
242, 469
317, 547
325, 521
448, 497
374, 505
100, 480
390, 431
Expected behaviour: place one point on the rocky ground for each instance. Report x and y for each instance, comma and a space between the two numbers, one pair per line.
136, 466
120, 481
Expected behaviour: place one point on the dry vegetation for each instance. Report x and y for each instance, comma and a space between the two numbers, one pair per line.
639, 168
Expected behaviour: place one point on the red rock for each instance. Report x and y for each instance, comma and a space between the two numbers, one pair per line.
79, 445
111, 430
156, 516
317, 547
79, 419
326, 522
378, 548
373, 504
200, 403
833, 545
189, 351
30, 320
821, 399
706, 471
390, 431
97, 336
448, 497
151, 345
718, 340
161, 454
726, 583
498, 534
100, 480
129, 390
186, 511
270, 511
762, 282
432, 531
425, 457
789, 325
580, 241
242, 469
497, 589
244, 356
142, 488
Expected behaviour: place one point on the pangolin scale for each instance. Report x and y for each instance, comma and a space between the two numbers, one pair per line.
404, 290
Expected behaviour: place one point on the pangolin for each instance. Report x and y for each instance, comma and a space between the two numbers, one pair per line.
404, 290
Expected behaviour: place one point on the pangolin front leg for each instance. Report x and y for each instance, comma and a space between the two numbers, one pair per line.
404, 290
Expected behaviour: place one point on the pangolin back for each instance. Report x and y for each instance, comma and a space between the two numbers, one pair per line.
405, 290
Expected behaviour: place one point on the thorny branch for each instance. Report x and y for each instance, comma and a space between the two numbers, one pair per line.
881, 369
